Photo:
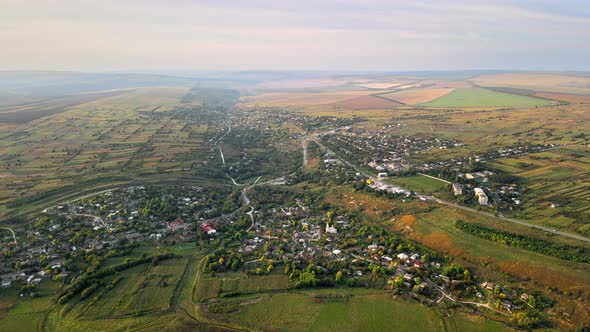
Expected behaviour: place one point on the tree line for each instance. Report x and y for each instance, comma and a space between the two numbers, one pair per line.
570, 253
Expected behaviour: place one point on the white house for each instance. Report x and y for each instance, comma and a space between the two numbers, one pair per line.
403, 256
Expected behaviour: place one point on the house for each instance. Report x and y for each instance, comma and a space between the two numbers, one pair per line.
403, 256
482, 198
208, 229
457, 189
382, 175
6, 283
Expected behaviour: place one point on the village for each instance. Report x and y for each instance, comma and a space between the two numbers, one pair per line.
393, 155
104, 225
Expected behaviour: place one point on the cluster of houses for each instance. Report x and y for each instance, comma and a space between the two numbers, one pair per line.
98, 224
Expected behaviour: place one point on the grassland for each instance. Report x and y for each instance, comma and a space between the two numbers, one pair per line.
477, 97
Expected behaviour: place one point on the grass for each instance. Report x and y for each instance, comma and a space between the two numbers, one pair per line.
470, 97
419, 183
335, 310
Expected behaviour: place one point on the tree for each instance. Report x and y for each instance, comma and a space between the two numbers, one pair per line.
338, 276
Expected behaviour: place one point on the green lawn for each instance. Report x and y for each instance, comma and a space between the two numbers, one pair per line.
478, 97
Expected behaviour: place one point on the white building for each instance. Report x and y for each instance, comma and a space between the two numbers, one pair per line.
482, 198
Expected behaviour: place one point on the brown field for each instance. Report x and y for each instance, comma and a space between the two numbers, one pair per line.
366, 103
301, 99
570, 98
417, 96
381, 86
302, 83
30, 111
537, 81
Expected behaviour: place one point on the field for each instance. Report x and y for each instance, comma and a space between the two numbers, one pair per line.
477, 97
419, 183
417, 96
570, 98
366, 103
558, 187
120, 136
330, 310
572, 84
237, 283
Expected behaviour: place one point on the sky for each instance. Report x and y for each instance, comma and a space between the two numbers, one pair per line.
335, 35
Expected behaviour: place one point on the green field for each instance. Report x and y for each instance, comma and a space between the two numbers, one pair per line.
478, 97
420, 183
336, 310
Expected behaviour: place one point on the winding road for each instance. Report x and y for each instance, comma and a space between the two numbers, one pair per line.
13, 234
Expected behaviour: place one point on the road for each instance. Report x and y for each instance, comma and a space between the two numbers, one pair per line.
465, 208
221, 153
13, 234
304, 147
77, 199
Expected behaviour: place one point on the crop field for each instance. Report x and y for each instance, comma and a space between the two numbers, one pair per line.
116, 136
477, 97
558, 187
301, 99
570, 98
417, 96
366, 103
571, 84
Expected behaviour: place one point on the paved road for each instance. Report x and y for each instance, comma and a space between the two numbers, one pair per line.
434, 199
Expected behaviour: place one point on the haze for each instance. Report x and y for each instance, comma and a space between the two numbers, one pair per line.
312, 35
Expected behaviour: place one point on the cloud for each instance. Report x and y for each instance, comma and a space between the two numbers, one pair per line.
262, 34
